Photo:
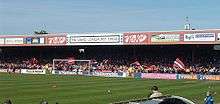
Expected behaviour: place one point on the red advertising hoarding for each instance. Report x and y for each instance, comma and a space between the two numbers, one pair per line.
56, 40
135, 38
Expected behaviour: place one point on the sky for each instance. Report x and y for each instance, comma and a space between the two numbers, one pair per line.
26, 16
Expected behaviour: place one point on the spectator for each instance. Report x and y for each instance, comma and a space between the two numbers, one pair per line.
155, 92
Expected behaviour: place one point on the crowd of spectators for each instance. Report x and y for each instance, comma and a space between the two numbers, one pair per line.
20, 63
150, 59
149, 65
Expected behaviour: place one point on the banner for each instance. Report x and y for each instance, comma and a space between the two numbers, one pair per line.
212, 77
186, 76
199, 37
165, 38
35, 40
158, 76
135, 38
109, 74
10, 70
14, 41
33, 71
95, 39
2, 40
63, 72
56, 40
208, 77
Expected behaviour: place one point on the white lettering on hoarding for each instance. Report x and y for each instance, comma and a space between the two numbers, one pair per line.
135, 38
33, 71
73, 72
94, 39
56, 40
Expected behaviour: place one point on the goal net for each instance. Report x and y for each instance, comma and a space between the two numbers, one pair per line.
70, 66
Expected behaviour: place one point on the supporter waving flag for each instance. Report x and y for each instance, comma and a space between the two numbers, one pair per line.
179, 64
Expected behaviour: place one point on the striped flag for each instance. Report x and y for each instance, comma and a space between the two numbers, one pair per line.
179, 64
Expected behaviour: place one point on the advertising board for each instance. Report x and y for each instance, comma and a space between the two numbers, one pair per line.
186, 76
10, 70
63, 72
2, 40
199, 37
28, 40
158, 76
14, 40
135, 38
165, 38
33, 71
210, 77
95, 39
109, 74
3, 70
34, 40
137, 75
218, 37
56, 40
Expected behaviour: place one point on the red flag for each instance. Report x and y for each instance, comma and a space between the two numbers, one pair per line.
179, 64
136, 63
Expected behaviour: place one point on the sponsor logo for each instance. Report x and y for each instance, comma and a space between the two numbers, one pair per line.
135, 38
165, 38
56, 40
199, 37
14, 41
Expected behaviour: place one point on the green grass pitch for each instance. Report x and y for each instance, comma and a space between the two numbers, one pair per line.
30, 89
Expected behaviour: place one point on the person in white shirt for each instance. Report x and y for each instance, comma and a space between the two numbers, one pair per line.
155, 92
